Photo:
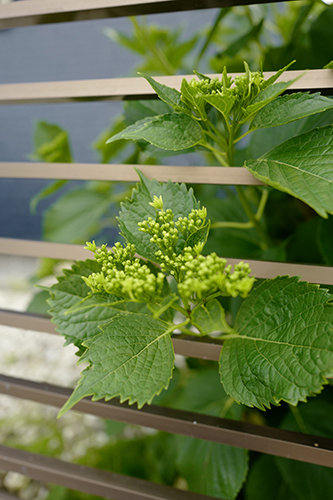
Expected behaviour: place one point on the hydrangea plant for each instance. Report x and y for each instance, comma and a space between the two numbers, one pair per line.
121, 310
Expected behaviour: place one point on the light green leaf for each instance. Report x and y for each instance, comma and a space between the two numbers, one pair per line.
192, 99
76, 216
138, 110
223, 103
47, 191
265, 97
167, 94
175, 196
173, 131
132, 358
70, 291
210, 318
284, 347
290, 108
302, 167
51, 143
277, 75
199, 236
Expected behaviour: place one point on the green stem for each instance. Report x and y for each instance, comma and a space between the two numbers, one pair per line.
234, 225
179, 326
180, 309
252, 217
299, 420
262, 204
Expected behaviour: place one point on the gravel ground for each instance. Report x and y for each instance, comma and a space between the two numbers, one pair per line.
40, 357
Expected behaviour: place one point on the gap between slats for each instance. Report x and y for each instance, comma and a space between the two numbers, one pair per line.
303, 447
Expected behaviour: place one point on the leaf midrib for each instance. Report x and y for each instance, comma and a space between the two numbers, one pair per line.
296, 168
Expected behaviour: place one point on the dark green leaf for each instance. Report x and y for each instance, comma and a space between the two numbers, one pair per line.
132, 358
265, 481
222, 103
284, 347
137, 209
325, 240
289, 108
109, 151
301, 167
49, 190
242, 41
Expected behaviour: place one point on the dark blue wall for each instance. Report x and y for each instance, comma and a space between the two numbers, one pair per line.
68, 51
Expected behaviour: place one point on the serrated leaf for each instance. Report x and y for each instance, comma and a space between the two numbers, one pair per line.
302, 167
193, 99
284, 347
173, 131
209, 318
290, 108
167, 94
132, 358
175, 196
69, 292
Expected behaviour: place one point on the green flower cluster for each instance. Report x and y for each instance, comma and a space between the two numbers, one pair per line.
124, 275
206, 276
166, 233
208, 86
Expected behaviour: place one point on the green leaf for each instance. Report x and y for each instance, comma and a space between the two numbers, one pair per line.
138, 110
289, 108
109, 151
38, 304
49, 190
193, 99
265, 481
223, 104
199, 236
167, 94
308, 481
132, 358
236, 46
301, 167
284, 347
265, 97
329, 65
211, 468
51, 143
76, 216
70, 291
133, 211
325, 240
173, 131
209, 318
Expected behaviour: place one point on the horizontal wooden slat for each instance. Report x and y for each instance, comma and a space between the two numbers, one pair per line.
260, 269
204, 349
58, 11
96, 171
133, 88
303, 447
88, 480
